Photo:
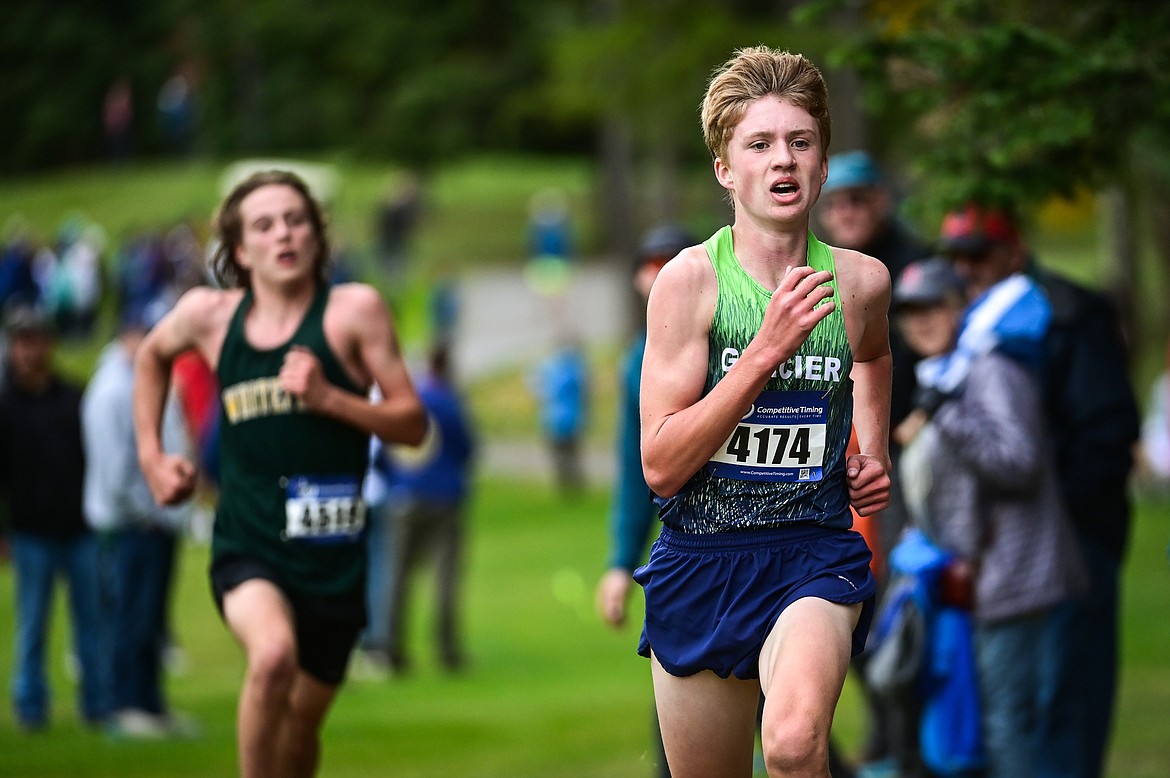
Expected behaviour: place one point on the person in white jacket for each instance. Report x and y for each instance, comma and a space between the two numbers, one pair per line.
141, 538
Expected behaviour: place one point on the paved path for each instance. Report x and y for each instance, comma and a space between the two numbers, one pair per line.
531, 459
505, 323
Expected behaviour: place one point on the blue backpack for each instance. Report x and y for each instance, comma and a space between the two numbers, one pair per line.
950, 730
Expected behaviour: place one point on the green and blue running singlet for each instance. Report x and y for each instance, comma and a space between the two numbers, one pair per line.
785, 461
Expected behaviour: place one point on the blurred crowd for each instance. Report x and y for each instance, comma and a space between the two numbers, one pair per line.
1015, 435
74, 506
68, 277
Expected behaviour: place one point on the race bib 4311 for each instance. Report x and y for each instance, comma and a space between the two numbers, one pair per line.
323, 510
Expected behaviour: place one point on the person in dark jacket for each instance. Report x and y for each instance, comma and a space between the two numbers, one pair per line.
42, 467
858, 210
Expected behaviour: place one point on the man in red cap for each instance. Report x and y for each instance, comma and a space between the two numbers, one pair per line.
984, 245
1093, 423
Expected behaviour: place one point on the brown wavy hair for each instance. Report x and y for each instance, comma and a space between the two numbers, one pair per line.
229, 228
757, 72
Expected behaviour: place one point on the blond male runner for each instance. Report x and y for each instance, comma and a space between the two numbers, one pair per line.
761, 344
295, 359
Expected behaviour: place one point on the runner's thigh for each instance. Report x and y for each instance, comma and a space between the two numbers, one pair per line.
803, 663
708, 723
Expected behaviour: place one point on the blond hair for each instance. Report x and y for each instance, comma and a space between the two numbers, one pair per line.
757, 72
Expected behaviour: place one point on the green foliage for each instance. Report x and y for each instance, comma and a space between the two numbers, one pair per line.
58, 60
413, 80
649, 62
1013, 104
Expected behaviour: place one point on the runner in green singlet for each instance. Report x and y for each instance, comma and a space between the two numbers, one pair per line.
763, 347
296, 359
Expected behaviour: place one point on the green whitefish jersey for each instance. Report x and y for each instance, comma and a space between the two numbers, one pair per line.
290, 480
785, 461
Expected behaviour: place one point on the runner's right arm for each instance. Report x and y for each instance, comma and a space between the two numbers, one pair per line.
171, 477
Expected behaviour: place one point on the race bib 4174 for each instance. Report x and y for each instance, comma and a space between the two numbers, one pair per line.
782, 438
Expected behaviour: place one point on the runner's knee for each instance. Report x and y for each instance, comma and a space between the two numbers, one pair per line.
792, 745
272, 666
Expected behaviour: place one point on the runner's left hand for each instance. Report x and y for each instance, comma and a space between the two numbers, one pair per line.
869, 484
302, 377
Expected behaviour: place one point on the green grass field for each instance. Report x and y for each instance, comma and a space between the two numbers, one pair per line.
550, 691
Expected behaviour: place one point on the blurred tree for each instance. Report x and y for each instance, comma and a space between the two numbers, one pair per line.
413, 79
1012, 103
59, 60
638, 71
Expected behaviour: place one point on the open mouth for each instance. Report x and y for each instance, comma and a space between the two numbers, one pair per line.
784, 188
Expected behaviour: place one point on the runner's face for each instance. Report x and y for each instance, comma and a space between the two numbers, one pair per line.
774, 165
277, 242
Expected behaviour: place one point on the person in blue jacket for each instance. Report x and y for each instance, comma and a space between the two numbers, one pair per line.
562, 386
632, 513
427, 493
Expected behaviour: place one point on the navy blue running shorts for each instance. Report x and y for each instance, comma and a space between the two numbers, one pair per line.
326, 628
711, 600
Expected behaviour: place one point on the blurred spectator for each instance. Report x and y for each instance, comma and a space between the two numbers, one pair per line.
17, 283
118, 120
633, 514
140, 538
197, 389
979, 477
184, 256
144, 273
858, 210
549, 230
550, 242
383, 589
69, 276
444, 309
1094, 424
427, 494
176, 112
562, 388
395, 220
1155, 447
42, 467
